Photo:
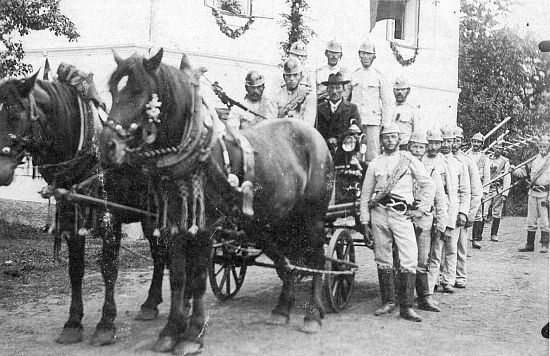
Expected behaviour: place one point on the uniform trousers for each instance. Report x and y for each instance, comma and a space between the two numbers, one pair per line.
388, 227
495, 205
481, 214
443, 255
537, 215
423, 241
372, 133
462, 253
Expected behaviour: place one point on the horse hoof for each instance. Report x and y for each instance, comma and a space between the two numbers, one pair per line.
311, 327
165, 344
278, 319
188, 348
147, 314
70, 336
103, 337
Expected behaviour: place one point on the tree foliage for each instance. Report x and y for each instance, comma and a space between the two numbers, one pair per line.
294, 23
500, 73
21, 17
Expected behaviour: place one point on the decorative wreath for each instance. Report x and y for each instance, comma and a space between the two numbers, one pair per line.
226, 30
399, 57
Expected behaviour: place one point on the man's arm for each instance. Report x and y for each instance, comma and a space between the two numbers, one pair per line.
234, 118
310, 108
464, 190
369, 183
476, 189
441, 202
486, 174
426, 184
507, 180
386, 100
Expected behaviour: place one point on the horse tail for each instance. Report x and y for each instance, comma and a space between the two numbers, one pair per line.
185, 64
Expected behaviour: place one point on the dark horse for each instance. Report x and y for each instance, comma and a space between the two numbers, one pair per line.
291, 179
44, 118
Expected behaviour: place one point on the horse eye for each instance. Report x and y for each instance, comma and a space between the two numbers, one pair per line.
122, 83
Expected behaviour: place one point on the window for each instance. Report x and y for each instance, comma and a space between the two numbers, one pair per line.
402, 21
242, 8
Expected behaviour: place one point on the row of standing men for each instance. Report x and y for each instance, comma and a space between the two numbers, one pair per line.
416, 206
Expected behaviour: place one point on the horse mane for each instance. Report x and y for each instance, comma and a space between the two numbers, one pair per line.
172, 87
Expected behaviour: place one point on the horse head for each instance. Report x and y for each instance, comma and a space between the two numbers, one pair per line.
18, 112
151, 108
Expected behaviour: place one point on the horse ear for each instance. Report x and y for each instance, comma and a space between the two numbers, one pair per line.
153, 63
27, 85
118, 59
185, 64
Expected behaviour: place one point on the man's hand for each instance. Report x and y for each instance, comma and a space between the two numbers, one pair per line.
461, 220
469, 223
446, 236
369, 239
415, 214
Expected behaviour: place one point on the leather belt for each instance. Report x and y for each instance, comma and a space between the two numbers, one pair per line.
540, 188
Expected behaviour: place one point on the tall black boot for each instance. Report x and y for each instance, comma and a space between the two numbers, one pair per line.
494, 229
544, 241
530, 246
406, 310
386, 278
425, 301
477, 230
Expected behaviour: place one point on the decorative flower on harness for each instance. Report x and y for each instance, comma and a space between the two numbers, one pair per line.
153, 110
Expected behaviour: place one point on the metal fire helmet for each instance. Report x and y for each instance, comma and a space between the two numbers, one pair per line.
447, 133
390, 127
401, 83
298, 48
419, 137
292, 66
478, 136
434, 135
459, 132
368, 47
254, 79
334, 46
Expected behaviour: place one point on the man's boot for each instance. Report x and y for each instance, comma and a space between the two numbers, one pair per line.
530, 246
425, 301
406, 311
477, 230
386, 278
544, 241
494, 229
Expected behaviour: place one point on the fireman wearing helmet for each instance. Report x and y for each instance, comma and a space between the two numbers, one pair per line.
333, 52
499, 165
537, 204
476, 193
298, 50
371, 93
255, 101
444, 249
484, 167
404, 113
295, 99
386, 212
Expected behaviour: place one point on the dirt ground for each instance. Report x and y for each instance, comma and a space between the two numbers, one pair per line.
501, 312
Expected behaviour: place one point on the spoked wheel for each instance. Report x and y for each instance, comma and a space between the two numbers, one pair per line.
338, 287
226, 269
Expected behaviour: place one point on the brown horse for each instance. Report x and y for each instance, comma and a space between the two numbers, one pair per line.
182, 139
44, 119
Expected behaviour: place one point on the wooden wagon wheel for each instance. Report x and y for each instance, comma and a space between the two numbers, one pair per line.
338, 287
226, 269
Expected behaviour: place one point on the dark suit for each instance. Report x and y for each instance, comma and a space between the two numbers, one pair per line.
336, 124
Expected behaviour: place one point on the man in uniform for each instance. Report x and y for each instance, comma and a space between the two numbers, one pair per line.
298, 50
255, 101
537, 204
295, 99
476, 193
334, 116
500, 187
333, 52
444, 250
386, 212
427, 225
404, 113
371, 93
484, 168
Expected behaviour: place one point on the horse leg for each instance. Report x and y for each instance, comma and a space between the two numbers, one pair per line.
105, 332
195, 287
281, 314
149, 309
72, 330
315, 311
175, 328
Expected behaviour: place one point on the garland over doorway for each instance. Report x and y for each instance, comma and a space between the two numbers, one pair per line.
232, 7
399, 58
